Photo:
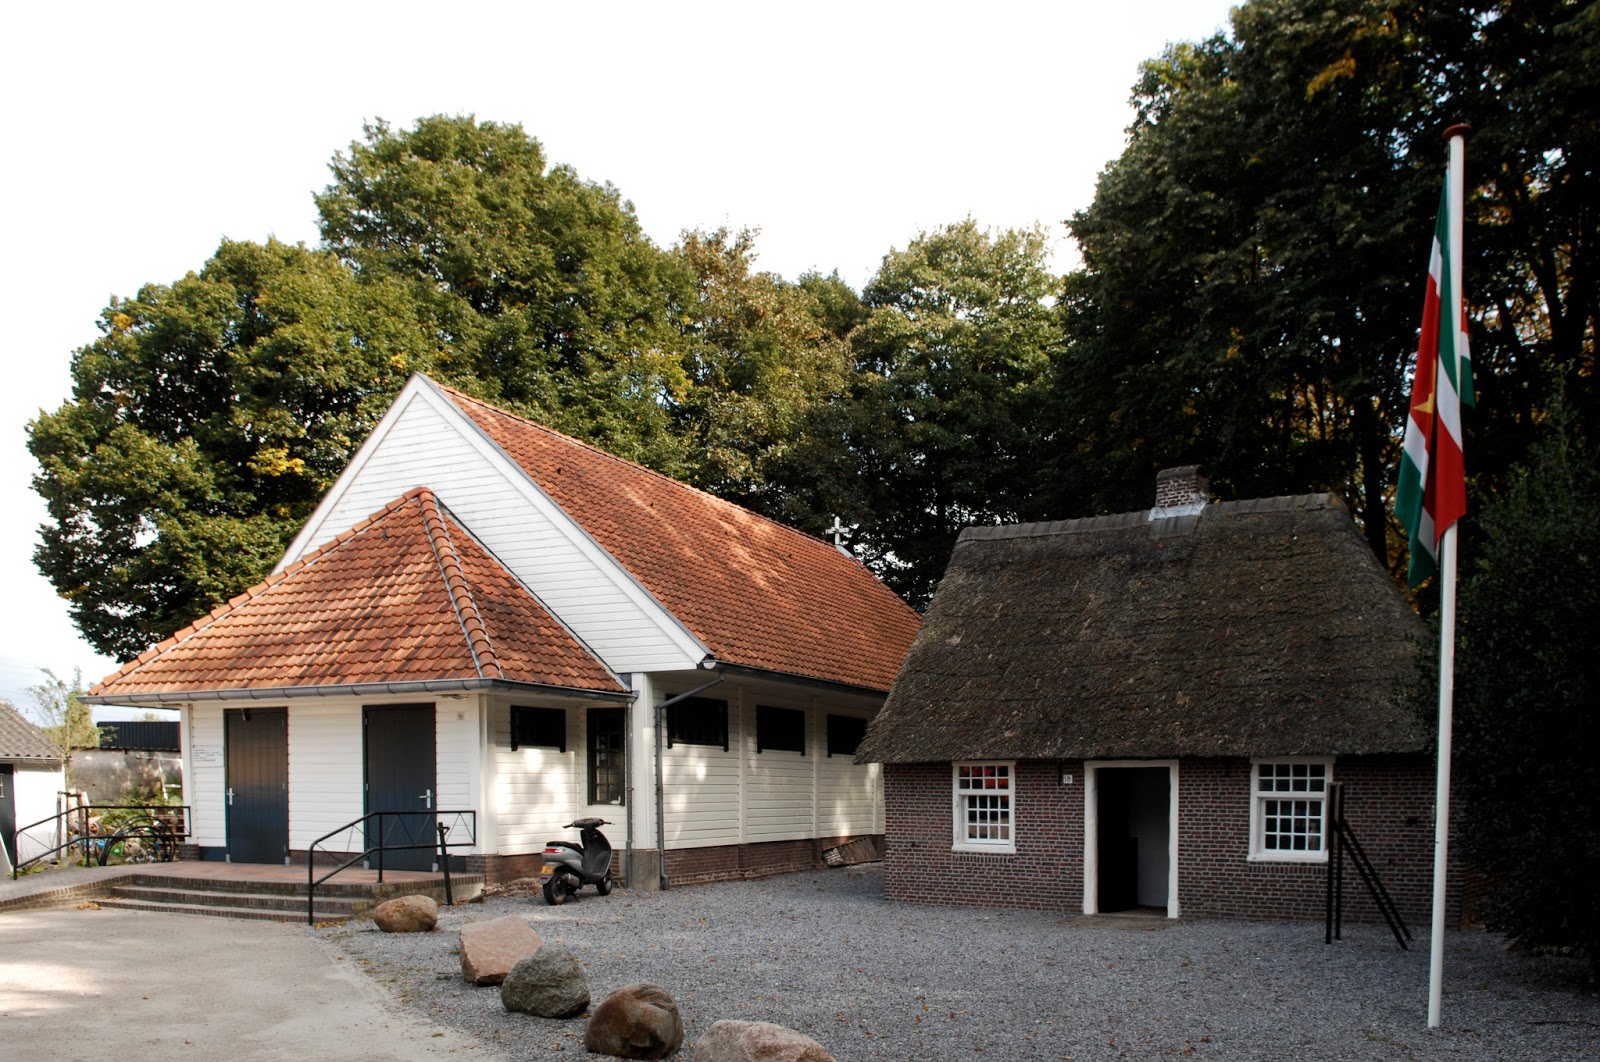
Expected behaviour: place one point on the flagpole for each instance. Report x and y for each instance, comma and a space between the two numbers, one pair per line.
1451, 315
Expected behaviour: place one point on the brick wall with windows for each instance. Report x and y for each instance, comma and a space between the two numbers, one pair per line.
1046, 871
1389, 801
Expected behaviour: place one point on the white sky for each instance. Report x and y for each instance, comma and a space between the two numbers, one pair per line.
137, 136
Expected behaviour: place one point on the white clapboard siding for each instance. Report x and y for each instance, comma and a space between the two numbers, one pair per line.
326, 772
205, 776
456, 761
36, 789
535, 790
702, 795
778, 786
425, 440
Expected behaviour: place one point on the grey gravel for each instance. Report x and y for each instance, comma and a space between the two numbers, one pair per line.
826, 954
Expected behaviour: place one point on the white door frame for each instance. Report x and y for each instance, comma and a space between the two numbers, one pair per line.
1091, 824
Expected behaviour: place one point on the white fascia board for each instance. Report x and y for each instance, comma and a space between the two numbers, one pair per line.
693, 649
312, 533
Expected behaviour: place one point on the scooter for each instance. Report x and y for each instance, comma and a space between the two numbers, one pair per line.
569, 867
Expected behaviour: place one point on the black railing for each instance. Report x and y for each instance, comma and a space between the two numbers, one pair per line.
158, 830
1342, 839
390, 831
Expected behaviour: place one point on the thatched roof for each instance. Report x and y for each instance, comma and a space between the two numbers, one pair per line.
1255, 628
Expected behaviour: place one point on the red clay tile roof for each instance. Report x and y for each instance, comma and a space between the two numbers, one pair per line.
755, 592
406, 596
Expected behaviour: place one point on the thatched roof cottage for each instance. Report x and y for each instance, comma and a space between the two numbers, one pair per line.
1146, 710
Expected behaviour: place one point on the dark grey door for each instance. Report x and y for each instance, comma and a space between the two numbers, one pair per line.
8, 810
400, 778
257, 766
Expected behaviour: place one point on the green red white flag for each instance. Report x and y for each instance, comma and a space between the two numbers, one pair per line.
1432, 491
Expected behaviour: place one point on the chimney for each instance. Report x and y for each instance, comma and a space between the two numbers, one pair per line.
1180, 492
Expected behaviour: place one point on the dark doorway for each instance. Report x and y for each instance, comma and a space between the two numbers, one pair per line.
400, 778
8, 811
1133, 812
257, 767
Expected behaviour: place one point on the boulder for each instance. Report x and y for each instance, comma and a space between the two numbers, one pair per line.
757, 1041
407, 914
490, 949
547, 984
636, 1021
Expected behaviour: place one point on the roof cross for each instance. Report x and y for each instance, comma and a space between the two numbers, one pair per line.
837, 531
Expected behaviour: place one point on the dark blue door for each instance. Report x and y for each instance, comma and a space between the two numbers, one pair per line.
8, 811
257, 766
400, 779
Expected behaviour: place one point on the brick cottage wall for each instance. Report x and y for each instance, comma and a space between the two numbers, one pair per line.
1045, 873
1389, 802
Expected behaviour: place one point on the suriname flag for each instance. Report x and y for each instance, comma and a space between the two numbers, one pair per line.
1432, 491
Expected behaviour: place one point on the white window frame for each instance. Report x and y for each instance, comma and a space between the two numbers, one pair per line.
1259, 797
959, 796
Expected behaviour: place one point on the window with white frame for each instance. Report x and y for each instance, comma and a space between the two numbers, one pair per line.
1289, 809
985, 807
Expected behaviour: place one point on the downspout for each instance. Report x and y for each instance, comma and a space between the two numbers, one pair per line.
661, 785
627, 772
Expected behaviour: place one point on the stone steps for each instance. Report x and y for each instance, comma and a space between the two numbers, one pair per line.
279, 901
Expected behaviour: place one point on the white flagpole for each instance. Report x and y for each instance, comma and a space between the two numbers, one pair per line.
1456, 135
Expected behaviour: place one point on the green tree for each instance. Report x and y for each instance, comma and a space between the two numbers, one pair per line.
542, 286
1252, 262
766, 362
68, 723
1527, 766
1249, 262
950, 371
205, 424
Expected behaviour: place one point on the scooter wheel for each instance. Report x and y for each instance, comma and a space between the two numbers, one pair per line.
603, 886
556, 890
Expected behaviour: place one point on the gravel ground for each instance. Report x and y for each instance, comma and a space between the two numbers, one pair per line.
826, 954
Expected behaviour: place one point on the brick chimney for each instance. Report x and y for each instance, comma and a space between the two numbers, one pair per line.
1180, 492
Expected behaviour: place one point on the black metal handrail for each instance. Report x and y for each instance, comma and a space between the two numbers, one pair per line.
460, 832
166, 825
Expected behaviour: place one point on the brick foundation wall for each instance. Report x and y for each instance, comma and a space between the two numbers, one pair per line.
1389, 802
739, 862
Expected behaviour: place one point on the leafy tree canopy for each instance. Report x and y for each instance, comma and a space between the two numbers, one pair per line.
950, 368
1527, 681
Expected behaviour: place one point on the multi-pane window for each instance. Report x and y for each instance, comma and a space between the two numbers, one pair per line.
1290, 809
606, 762
984, 810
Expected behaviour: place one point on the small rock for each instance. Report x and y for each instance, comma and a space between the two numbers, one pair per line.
490, 949
547, 984
407, 914
636, 1021
757, 1041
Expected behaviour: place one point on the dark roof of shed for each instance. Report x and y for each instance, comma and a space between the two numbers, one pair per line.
20, 739
1255, 628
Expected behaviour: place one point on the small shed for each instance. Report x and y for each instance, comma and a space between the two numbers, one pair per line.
31, 775
1146, 710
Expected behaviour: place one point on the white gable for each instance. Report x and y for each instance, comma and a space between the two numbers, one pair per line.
426, 441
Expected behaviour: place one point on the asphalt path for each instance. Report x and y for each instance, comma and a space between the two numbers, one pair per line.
100, 984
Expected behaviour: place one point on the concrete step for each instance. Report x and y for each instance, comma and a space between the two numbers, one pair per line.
336, 906
261, 914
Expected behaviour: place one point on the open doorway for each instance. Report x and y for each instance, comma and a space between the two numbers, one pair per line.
1130, 842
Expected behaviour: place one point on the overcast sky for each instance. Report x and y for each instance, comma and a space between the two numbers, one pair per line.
137, 137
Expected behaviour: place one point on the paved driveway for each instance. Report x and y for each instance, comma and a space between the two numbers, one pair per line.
127, 986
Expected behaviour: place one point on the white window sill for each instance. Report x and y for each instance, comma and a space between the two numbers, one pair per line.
1288, 857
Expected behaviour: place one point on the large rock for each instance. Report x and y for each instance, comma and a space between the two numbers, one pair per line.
636, 1021
757, 1041
490, 949
407, 914
548, 984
